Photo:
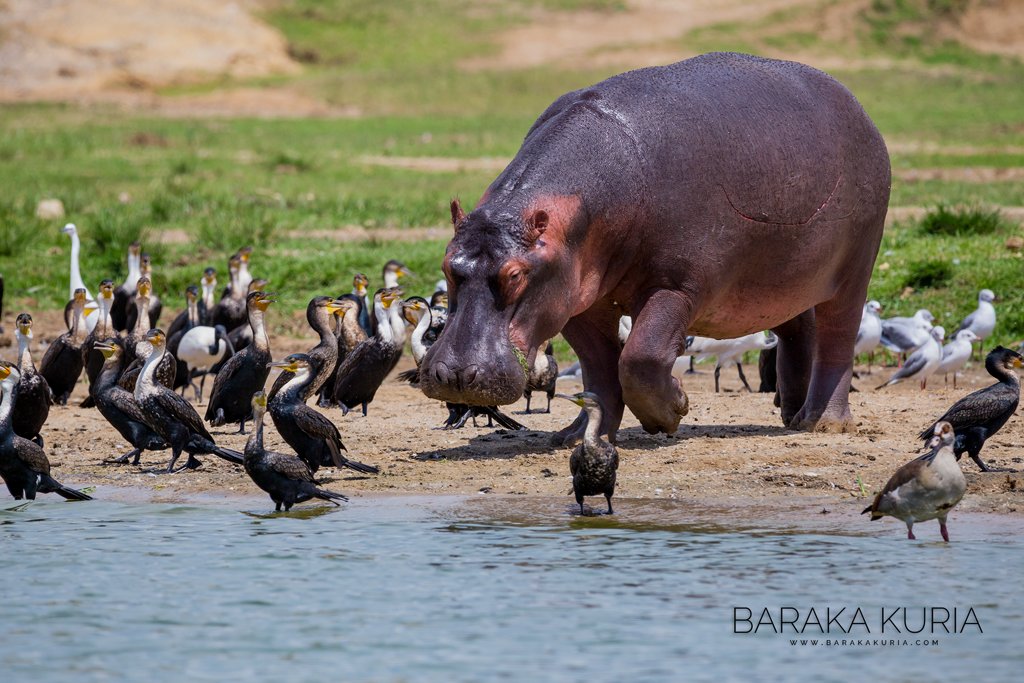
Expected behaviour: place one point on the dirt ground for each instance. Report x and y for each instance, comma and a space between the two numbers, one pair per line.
730, 447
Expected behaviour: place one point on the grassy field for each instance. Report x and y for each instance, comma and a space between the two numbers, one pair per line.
217, 184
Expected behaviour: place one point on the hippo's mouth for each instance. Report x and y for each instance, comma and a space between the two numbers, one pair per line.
475, 384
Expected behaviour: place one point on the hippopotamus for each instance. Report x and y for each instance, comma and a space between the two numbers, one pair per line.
718, 196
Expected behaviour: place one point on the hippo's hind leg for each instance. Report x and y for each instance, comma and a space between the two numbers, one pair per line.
827, 406
593, 335
793, 363
645, 367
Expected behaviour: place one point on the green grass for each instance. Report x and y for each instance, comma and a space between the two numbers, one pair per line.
223, 183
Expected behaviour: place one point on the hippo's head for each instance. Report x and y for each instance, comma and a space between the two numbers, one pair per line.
513, 282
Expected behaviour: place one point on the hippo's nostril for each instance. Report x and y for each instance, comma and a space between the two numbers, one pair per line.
441, 373
468, 374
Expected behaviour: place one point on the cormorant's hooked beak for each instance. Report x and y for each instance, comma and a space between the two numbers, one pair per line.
263, 303
289, 365
571, 399
25, 329
402, 271
5, 371
334, 307
388, 297
1016, 362
105, 348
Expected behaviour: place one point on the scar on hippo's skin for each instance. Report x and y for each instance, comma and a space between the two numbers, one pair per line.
764, 218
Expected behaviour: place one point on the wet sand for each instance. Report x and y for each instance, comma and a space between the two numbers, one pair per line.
731, 447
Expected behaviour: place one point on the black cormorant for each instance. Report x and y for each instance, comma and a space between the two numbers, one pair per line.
594, 461
154, 305
310, 434
244, 373
119, 406
93, 362
62, 362
23, 463
286, 478
34, 395
124, 293
978, 416
364, 370
171, 416
319, 312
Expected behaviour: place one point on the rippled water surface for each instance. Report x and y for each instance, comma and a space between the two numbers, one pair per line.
488, 588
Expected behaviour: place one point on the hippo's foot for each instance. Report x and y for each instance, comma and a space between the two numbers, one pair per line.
834, 422
571, 435
659, 411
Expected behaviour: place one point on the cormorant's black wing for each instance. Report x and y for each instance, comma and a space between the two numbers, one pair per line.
993, 404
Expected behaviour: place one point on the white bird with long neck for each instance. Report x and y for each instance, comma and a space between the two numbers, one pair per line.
92, 317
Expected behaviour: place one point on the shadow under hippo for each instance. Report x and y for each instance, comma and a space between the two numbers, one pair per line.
718, 196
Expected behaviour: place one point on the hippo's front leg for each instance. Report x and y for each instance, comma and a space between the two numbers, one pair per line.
593, 335
645, 366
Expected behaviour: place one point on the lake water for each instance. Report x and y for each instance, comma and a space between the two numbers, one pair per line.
492, 589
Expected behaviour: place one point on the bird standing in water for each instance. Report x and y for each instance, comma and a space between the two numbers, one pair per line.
24, 466
979, 415
284, 477
925, 488
594, 461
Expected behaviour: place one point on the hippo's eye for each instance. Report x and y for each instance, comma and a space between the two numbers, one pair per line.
512, 281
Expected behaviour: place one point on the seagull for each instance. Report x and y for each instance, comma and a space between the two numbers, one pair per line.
728, 351
870, 333
901, 335
982, 320
956, 353
922, 363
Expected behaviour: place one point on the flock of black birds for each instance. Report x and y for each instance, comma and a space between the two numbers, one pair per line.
138, 375
134, 370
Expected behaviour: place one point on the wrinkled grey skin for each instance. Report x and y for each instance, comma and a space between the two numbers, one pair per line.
719, 196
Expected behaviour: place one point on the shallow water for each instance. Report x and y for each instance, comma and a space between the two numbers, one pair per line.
490, 588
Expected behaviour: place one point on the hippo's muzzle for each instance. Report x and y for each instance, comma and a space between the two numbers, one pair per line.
480, 375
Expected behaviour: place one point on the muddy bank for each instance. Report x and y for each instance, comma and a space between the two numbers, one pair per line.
730, 447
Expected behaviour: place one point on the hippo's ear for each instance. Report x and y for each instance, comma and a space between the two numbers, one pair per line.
458, 215
536, 225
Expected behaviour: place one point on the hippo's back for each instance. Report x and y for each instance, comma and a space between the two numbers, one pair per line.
723, 123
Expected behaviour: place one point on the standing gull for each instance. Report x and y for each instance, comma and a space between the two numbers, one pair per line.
956, 353
922, 363
870, 333
982, 320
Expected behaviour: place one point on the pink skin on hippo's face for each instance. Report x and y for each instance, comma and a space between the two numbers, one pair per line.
512, 284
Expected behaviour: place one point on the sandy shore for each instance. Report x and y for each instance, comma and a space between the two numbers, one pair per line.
730, 446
